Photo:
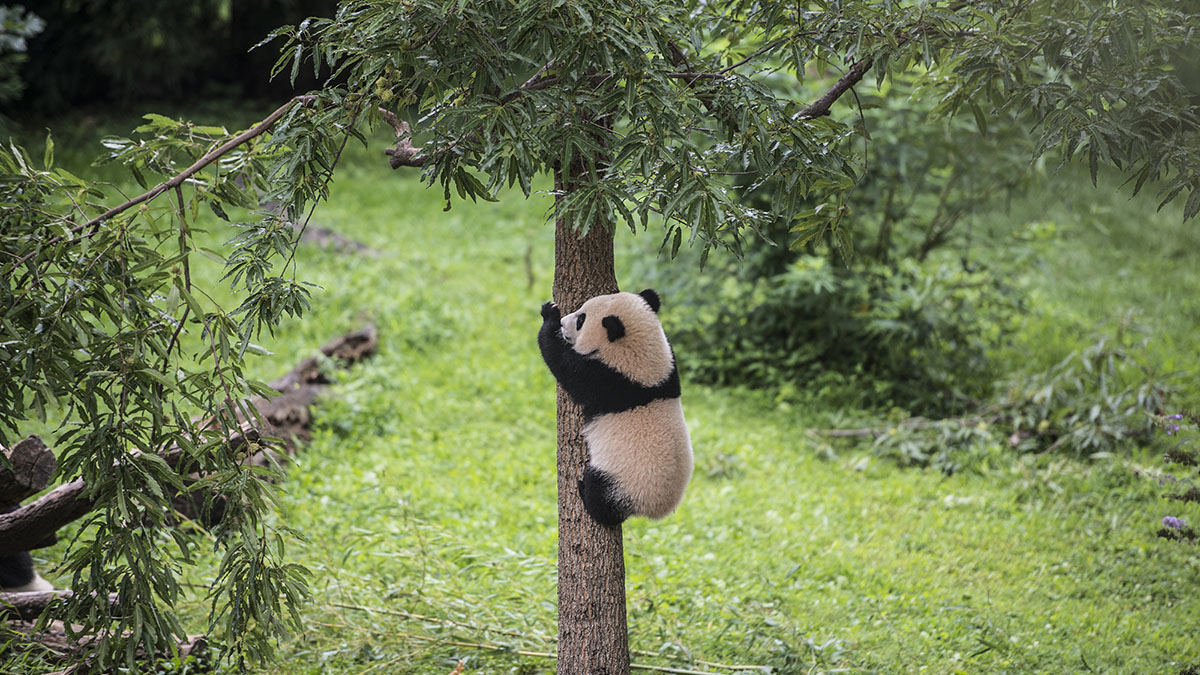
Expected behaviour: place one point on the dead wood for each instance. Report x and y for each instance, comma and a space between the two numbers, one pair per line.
322, 236
336, 241
58, 648
34, 525
29, 606
285, 416
31, 465
288, 414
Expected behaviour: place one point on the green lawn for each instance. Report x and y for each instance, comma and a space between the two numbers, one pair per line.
426, 501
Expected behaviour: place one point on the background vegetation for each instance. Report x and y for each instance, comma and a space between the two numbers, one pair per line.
425, 502
1004, 341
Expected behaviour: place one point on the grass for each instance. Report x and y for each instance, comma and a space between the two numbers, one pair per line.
425, 504
1105, 254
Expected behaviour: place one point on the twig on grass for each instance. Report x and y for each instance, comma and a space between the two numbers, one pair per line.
989, 414
543, 638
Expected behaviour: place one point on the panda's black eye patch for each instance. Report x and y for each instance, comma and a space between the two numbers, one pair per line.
579, 321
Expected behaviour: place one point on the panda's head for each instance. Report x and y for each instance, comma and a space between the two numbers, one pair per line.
623, 331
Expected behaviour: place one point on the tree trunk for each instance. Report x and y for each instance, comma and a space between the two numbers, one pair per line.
592, 637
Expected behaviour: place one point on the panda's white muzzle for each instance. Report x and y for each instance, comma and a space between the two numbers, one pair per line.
568, 329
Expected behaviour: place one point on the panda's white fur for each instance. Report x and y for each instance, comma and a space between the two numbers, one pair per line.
648, 453
642, 354
612, 357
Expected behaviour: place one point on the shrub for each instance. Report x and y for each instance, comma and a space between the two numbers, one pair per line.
1093, 400
16, 27
1092, 403
916, 335
1184, 454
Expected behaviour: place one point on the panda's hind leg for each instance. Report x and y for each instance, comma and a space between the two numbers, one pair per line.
600, 498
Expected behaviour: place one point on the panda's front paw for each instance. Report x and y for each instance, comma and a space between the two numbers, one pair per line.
550, 312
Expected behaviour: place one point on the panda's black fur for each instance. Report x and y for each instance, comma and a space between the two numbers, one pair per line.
635, 428
17, 573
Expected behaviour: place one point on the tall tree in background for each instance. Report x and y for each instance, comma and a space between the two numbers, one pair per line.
641, 110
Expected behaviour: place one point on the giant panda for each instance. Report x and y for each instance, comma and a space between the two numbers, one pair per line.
16, 571
18, 576
613, 359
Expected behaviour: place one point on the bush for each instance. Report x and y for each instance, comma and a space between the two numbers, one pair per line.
1184, 454
888, 317
914, 334
16, 27
1094, 402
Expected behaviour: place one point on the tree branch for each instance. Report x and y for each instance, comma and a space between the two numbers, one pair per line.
204, 161
402, 153
820, 107
858, 69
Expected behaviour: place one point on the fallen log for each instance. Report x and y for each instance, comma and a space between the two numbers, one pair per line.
29, 606
286, 416
34, 526
30, 467
58, 649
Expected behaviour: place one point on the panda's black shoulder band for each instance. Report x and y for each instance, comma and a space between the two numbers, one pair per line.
609, 391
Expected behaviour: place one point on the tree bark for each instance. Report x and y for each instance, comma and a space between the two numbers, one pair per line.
33, 526
31, 465
592, 635
29, 606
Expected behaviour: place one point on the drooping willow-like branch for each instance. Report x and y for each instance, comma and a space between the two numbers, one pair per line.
208, 158
820, 107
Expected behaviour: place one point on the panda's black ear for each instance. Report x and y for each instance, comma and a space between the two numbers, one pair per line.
652, 299
616, 329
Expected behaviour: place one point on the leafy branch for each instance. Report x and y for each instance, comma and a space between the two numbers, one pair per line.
109, 338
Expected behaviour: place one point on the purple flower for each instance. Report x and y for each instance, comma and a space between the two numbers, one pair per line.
1176, 416
1173, 523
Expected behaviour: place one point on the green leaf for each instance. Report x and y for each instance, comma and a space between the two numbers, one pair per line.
48, 156
137, 175
158, 377
299, 52
1193, 204
197, 310
172, 302
980, 118
218, 210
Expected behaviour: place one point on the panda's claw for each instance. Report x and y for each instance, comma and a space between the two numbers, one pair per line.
551, 312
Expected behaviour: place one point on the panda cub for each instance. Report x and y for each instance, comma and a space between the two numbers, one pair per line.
16, 571
613, 359
18, 576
